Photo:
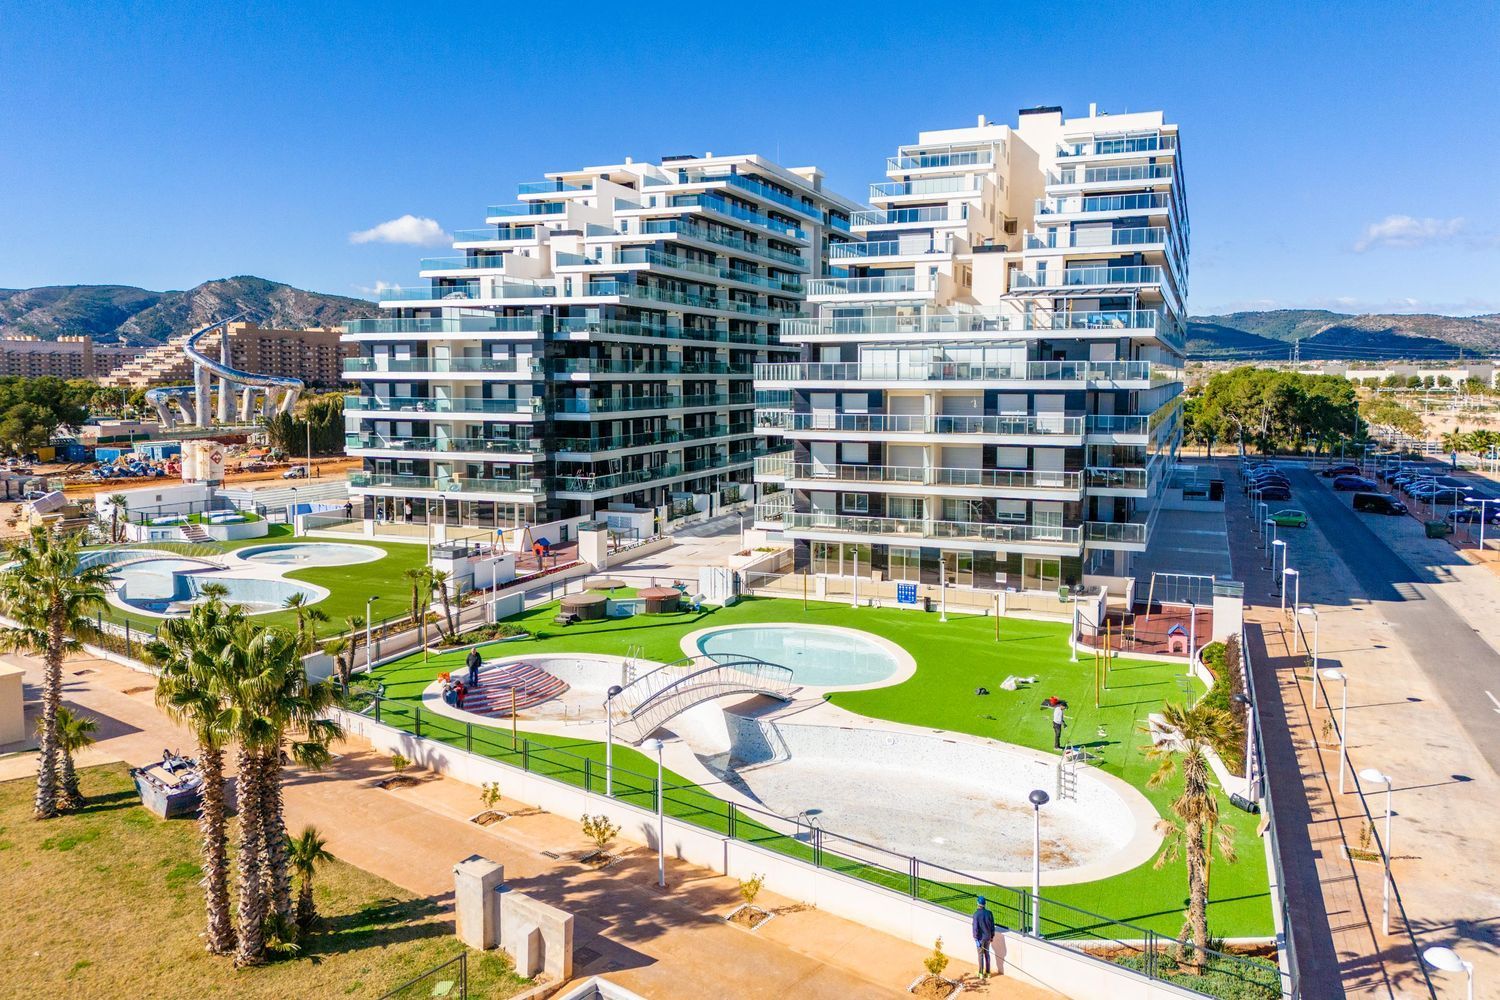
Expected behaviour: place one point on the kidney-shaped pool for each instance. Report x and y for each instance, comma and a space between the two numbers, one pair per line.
818, 656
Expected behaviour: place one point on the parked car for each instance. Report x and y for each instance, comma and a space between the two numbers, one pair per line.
1290, 518
1276, 493
295, 472
1261, 484
1473, 515
1441, 496
1339, 470
1378, 503
1345, 484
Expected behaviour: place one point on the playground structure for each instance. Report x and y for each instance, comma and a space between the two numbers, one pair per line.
236, 397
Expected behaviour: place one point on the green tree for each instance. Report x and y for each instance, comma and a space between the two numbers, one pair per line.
53, 600
307, 851
75, 732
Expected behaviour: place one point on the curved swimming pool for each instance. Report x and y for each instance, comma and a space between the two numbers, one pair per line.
169, 586
817, 657
311, 554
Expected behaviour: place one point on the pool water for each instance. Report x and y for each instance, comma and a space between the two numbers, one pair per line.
311, 554
168, 586
816, 657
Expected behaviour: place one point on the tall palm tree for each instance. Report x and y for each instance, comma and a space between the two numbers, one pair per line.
1197, 828
417, 577
439, 580
51, 598
306, 851
354, 623
338, 649
74, 733
117, 504
192, 687
298, 602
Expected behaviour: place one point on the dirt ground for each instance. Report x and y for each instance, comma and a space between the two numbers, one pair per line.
323, 468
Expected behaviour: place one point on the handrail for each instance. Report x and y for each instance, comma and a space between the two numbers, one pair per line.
668, 691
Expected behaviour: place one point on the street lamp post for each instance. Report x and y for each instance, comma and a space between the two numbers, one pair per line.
661, 823
1278, 554
1338, 675
1073, 636
368, 602
294, 512
1244, 699
1038, 799
1314, 614
1448, 960
1270, 546
1192, 634
1377, 777
609, 740
1296, 584
943, 590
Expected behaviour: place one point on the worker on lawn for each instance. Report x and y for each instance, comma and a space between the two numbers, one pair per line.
984, 933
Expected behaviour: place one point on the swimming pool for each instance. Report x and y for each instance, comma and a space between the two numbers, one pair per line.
311, 554
817, 656
169, 586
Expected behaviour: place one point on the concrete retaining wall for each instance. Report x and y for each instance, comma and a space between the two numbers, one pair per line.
1041, 963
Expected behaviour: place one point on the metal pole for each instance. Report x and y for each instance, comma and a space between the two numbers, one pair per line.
367, 633
1385, 892
1192, 634
1344, 735
1036, 870
1074, 643
855, 601
943, 590
661, 822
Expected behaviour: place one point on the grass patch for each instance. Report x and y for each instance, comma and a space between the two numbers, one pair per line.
118, 913
953, 659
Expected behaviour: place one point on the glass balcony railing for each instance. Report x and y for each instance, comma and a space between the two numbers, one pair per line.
494, 233
959, 371
862, 286
613, 481
1153, 202
542, 187
434, 366
924, 161
978, 531
1102, 146
1118, 532
917, 423
662, 438
431, 293
761, 189
630, 328
445, 324
901, 216
526, 208
1000, 479
436, 404
445, 484
930, 185
1119, 424
493, 262
713, 203
1073, 276
1112, 175
687, 229
1062, 239
885, 248
1115, 479
442, 445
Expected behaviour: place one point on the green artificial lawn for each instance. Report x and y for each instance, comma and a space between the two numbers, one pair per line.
347, 586
953, 659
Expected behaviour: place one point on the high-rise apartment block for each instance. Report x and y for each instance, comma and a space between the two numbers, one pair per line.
591, 348
988, 387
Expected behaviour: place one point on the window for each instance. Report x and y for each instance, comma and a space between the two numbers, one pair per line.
854, 503
963, 510
905, 564
907, 507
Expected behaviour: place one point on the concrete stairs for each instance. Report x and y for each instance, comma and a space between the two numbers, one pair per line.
530, 685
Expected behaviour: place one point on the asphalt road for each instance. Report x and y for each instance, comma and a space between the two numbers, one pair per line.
1460, 664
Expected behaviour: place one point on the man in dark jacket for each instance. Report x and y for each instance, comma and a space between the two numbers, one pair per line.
984, 933
473, 662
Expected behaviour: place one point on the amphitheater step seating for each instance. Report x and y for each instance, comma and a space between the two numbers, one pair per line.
532, 686
195, 533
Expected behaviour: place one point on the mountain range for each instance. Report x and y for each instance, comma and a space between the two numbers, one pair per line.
138, 316
125, 314
1320, 334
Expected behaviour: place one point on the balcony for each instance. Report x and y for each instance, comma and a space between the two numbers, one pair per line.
1048, 425
1140, 274
1119, 424
436, 404
761, 189
614, 481
1121, 480
654, 439
916, 475
1047, 537
443, 445
493, 262
576, 325
1157, 203
444, 325
895, 285
1107, 146
885, 248
1129, 535
797, 373
903, 216
969, 184
494, 234
446, 484
688, 230
927, 161
550, 187
526, 208
602, 366
773, 510
436, 366
1112, 175
1061, 239
713, 203
470, 290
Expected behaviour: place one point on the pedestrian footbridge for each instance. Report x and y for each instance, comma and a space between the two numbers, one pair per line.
655, 698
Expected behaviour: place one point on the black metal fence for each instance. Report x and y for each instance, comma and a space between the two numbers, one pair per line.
450, 979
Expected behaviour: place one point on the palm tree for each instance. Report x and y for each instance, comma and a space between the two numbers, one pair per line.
1197, 826
353, 623
439, 579
417, 577
214, 591
117, 504
298, 602
338, 649
306, 851
192, 687
74, 733
51, 598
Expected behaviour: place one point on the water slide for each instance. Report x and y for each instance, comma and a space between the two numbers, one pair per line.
279, 392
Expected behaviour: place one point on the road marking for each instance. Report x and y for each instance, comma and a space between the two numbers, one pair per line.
1495, 700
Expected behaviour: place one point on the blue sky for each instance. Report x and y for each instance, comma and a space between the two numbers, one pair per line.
1338, 156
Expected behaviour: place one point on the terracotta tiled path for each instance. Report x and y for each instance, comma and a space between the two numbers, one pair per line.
663, 945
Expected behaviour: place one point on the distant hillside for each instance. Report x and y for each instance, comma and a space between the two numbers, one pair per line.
1268, 335
124, 314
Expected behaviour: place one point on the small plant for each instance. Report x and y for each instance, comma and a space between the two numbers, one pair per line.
399, 763
1365, 833
937, 961
600, 830
1327, 731
750, 888
489, 794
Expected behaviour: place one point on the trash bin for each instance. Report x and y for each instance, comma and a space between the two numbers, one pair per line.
1063, 592
1438, 529
926, 603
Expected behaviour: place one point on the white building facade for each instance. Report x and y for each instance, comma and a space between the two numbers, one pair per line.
987, 392
591, 348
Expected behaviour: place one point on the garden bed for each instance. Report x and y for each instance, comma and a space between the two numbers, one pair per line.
749, 917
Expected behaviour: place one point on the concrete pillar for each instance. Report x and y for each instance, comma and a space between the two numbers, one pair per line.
247, 402
268, 402
225, 390
476, 913
201, 396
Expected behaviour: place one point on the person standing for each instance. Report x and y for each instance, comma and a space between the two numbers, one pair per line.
984, 932
473, 662
1057, 724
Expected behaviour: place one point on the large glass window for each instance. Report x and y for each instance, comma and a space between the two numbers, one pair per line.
963, 510
906, 507
960, 568
905, 564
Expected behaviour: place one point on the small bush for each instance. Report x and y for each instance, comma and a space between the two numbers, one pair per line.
484, 633
750, 888
489, 793
937, 961
600, 830
399, 763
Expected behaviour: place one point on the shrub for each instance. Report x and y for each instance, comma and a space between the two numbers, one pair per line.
750, 888
484, 633
399, 763
600, 830
489, 793
937, 961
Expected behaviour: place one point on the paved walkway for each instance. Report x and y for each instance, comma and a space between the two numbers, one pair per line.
662, 945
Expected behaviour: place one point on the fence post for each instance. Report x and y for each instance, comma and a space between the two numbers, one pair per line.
526, 755
733, 822
588, 775
1150, 962
469, 736
417, 715
915, 879
817, 846
378, 700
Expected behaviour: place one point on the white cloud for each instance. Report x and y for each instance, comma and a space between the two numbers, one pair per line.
1406, 232
408, 229
373, 291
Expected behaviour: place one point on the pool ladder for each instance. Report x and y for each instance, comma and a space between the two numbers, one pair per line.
1067, 780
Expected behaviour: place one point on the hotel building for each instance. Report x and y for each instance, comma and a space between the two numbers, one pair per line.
592, 348
987, 392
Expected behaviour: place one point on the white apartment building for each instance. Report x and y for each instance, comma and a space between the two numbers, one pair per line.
591, 348
988, 392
